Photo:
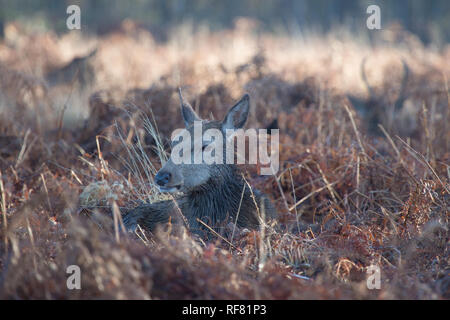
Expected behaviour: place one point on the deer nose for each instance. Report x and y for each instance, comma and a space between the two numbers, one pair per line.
162, 178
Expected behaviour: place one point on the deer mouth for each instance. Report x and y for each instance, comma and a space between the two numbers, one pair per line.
169, 189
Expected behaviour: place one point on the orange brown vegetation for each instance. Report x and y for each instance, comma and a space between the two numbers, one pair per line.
347, 198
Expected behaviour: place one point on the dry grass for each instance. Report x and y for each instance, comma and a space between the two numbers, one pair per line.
347, 198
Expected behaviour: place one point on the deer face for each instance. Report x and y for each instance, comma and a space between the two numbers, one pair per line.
189, 175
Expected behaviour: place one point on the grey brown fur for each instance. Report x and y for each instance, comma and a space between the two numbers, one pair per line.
211, 193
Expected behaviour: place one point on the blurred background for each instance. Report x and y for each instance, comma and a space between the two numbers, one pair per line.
430, 20
282, 52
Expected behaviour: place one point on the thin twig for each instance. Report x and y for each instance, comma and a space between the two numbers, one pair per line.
309, 195
237, 215
422, 160
218, 235
355, 129
5, 221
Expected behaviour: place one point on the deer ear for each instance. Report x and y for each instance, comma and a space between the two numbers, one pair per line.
237, 116
189, 115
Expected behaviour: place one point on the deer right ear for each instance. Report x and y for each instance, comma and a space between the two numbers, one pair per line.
189, 115
237, 116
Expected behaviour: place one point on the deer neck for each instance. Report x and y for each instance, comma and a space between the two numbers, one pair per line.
218, 198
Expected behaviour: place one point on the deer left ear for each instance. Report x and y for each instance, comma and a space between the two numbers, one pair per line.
238, 114
188, 113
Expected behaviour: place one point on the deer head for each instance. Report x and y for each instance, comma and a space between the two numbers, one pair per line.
195, 174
